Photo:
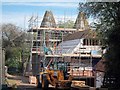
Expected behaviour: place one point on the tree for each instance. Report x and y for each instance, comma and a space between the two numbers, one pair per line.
67, 24
13, 39
107, 15
11, 34
108, 28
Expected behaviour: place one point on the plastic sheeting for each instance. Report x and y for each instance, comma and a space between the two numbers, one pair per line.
67, 47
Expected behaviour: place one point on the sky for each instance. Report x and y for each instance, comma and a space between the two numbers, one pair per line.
19, 13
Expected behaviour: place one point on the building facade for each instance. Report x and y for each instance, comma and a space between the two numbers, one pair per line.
77, 46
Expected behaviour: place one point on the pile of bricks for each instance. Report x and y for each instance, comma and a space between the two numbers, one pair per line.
78, 83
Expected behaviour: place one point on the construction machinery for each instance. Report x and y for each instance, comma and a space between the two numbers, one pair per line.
76, 48
55, 75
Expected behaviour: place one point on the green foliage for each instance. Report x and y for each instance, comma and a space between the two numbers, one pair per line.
14, 45
108, 27
112, 57
13, 58
106, 13
67, 24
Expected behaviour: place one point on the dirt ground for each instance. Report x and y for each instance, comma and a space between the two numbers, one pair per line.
17, 81
20, 82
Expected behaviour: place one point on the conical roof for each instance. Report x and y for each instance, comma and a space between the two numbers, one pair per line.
81, 21
48, 20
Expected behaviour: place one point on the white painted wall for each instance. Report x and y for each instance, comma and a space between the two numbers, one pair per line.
87, 49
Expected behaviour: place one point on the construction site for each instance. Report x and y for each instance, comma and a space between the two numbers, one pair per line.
63, 58
60, 45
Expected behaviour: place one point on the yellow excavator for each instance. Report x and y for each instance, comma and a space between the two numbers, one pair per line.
56, 77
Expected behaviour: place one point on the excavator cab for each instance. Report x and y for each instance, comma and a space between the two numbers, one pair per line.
56, 75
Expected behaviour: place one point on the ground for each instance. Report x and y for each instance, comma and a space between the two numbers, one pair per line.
19, 81
22, 83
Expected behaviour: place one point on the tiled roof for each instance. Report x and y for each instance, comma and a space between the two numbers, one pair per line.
100, 66
81, 21
80, 34
48, 20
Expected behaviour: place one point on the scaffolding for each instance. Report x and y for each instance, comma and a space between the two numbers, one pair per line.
47, 44
45, 37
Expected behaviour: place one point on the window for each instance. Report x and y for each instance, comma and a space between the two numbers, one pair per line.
91, 42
